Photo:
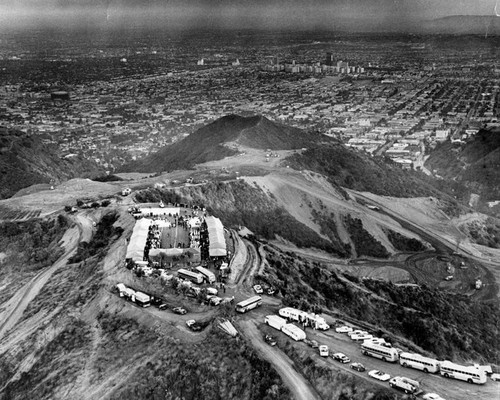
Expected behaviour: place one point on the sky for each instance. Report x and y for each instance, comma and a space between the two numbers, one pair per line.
237, 13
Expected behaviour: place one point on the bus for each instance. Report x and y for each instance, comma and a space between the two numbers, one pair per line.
208, 275
379, 351
417, 361
191, 276
471, 374
248, 304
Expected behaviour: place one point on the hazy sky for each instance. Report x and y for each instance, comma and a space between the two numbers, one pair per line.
236, 13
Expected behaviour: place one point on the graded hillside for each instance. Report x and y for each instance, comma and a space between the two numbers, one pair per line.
220, 139
25, 160
303, 209
351, 169
475, 164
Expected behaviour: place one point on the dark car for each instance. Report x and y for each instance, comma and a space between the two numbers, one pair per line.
179, 310
358, 367
156, 301
270, 340
162, 306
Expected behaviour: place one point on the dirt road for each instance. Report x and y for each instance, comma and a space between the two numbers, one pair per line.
15, 307
297, 384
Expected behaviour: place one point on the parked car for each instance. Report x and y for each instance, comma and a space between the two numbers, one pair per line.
314, 344
270, 340
356, 332
162, 306
431, 396
179, 310
495, 377
193, 325
358, 367
361, 337
258, 289
381, 376
343, 329
341, 357
323, 350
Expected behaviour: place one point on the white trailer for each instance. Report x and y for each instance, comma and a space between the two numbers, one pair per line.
275, 321
292, 313
310, 319
141, 299
294, 332
208, 275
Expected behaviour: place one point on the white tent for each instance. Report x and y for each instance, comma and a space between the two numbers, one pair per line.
135, 248
216, 240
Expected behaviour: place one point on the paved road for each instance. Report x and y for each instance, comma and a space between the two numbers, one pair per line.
298, 385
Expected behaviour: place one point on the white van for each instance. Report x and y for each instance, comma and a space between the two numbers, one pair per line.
323, 350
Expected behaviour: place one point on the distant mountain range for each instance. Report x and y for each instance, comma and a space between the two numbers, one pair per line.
214, 142
463, 24
26, 160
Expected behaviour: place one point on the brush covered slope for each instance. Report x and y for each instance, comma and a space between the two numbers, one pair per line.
25, 160
351, 169
447, 325
273, 208
475, 164
210, 143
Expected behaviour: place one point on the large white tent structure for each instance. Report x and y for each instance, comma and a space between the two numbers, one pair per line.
216, 240
135, 248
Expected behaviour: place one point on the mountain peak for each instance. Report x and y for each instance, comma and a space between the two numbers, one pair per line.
210, 142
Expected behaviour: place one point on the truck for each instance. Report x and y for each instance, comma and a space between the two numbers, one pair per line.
208, 275
406, 384
275, 321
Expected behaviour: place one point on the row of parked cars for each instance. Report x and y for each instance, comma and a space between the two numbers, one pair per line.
405, 384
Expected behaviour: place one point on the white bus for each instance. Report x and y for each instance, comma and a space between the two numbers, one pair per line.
417, 361
471, 374
376, 350
207, 274
248, 304
191, 276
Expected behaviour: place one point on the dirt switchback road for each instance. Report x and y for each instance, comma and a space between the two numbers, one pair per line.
15, 307
297, 384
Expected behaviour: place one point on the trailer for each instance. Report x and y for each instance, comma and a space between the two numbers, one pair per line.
292, 314
208, 275
275, 321
308, 319
141, 299
294, 332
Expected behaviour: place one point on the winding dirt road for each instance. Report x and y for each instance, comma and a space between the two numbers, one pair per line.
15, 307
297, 384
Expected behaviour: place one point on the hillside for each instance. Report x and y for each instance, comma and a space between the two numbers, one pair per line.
26, 161
220, 139
475, 164
350, 169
